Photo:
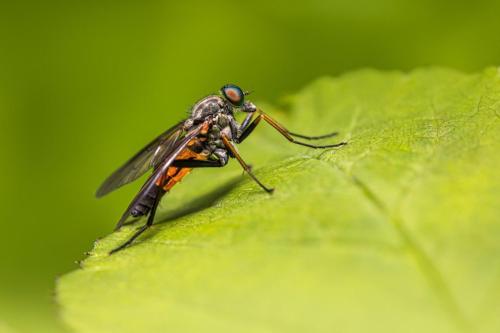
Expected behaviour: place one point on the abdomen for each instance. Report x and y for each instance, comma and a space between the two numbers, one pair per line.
170, 178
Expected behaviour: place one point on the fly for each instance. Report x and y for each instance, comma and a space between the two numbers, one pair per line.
204, 140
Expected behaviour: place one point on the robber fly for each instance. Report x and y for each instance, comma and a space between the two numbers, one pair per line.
204, 140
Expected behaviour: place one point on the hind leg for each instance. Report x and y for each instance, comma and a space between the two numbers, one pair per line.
148, 224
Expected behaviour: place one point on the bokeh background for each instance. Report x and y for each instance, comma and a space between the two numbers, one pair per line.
83, 84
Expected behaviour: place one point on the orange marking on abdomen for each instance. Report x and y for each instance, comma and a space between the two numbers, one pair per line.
174, 174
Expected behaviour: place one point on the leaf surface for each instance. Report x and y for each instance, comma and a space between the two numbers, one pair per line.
398, 231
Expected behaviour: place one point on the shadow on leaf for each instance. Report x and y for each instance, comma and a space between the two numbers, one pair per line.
205, 201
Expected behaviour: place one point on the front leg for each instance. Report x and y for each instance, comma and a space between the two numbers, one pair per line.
286, 133
246, 121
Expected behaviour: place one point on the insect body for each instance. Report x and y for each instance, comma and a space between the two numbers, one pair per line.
206, 139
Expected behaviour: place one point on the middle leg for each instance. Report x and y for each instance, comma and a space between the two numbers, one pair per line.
243, 164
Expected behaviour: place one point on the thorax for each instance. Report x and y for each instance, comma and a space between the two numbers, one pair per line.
210, 105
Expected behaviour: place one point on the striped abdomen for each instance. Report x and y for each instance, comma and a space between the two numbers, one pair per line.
144, 206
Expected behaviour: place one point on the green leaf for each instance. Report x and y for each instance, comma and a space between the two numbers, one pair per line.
399, 231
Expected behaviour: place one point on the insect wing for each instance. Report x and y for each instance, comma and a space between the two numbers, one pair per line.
142, 161
159, 171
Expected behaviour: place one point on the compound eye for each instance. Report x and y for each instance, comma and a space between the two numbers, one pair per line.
233, 94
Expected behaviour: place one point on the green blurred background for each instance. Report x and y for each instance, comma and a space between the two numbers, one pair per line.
85, 84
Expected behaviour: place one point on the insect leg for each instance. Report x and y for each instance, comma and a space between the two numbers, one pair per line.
247, 119
197, 164
287, 134
245, 166
141, 229
307, 137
